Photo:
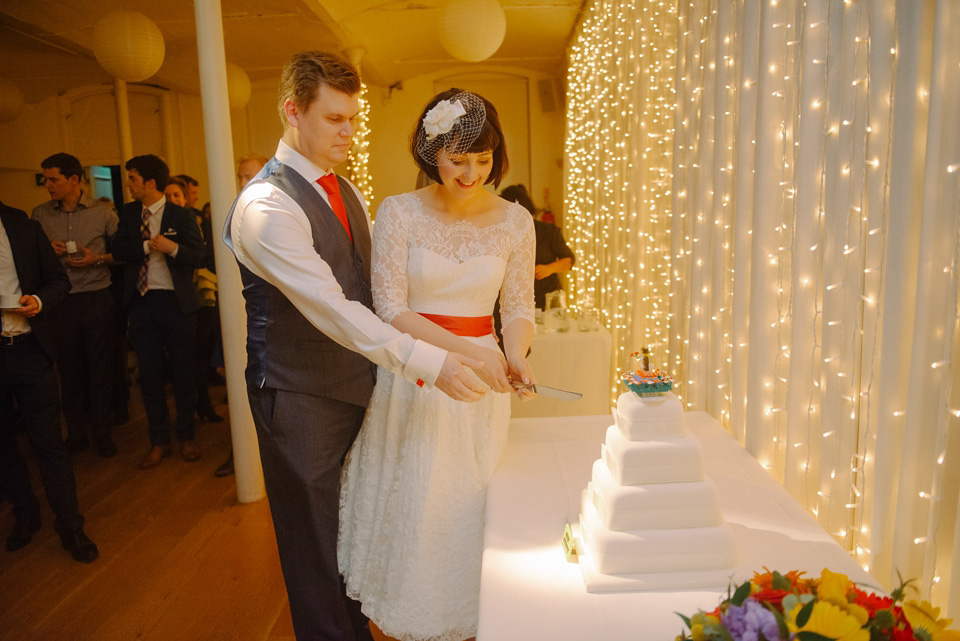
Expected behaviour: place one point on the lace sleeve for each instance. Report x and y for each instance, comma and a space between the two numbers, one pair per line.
388, 271
516, 295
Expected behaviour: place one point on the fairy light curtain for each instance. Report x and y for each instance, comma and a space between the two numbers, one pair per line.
808, 215
358, 158
620, 111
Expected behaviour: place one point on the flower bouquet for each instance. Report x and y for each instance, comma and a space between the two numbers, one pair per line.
788, 607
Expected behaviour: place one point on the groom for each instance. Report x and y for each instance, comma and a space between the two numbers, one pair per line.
302, 237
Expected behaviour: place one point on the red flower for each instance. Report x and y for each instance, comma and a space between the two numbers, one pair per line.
903, 635
871, 602
771, 596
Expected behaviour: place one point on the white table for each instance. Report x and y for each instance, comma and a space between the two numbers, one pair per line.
529, 592
574, 360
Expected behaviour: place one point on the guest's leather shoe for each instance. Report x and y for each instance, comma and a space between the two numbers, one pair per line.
209, 415
79, 545
189, 451
226, 469
22, 532
106, 447
76, 443
154, 454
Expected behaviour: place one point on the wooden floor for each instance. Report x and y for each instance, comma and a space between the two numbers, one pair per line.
180, 558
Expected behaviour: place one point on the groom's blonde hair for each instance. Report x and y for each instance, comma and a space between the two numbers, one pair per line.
307, 71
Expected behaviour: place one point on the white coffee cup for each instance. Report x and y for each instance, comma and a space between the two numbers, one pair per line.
9, 301
71, 247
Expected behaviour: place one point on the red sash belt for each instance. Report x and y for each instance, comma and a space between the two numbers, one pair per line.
463, 325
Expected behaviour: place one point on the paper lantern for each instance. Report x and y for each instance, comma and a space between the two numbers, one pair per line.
128, 45
11, 100
238, 86
472, 30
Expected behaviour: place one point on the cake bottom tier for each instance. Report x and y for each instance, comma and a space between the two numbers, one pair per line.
655, 551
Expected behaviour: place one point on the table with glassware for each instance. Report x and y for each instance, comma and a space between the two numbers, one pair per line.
530, 592
574, 356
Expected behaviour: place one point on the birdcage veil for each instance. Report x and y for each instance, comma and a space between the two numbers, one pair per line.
451, 126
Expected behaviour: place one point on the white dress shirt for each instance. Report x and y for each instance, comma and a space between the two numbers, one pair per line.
271, 236
158, 272
13, 324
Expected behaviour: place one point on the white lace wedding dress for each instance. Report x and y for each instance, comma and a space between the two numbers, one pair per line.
414, 485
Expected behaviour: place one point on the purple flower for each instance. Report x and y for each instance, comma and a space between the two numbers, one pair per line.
745, 622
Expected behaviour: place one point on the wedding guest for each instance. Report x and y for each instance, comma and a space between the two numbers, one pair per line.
86, 333
249, 166
553, 255
175, 191
31, 273
160, 245
192, 193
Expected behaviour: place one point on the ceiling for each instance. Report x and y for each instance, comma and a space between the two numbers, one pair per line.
46, 45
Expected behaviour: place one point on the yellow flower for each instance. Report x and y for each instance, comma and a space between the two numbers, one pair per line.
922, 614
697, 621
830, 621
833, 588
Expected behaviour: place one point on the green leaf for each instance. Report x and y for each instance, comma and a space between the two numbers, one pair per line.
741, 594
780, 582
805, 635
725, 634
804, 614
790, 602
685, 618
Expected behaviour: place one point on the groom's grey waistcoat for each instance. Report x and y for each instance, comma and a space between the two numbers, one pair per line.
284, 350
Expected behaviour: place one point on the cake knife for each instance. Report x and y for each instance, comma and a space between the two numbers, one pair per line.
552, 391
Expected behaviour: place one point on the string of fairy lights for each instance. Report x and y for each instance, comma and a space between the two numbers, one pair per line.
619, 170
728, 200
358, 158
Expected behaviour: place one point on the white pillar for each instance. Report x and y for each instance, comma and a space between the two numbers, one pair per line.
123, 126
223, 190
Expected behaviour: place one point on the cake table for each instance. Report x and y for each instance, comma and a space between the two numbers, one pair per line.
529, 591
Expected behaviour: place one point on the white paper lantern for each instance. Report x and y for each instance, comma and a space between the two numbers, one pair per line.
472, 30
128, 45
11, 100
238, 86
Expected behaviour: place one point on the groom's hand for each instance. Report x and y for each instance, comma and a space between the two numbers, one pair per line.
457, 379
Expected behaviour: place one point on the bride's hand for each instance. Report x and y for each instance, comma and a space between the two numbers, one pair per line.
494, 370
521, 377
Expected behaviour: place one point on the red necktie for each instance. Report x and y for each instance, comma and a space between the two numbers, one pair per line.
144, 267
332, 187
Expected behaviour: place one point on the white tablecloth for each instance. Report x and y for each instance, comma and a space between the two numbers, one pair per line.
529, 592
574, 360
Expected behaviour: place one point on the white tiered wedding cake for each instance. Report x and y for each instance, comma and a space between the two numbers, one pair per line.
650, 519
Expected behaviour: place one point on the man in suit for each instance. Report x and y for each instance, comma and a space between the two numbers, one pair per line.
302, 237
31, 273
160, 245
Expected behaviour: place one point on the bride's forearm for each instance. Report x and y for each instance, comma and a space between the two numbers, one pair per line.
419, 327
516, 339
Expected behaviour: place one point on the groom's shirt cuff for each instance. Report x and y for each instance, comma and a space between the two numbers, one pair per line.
423, 366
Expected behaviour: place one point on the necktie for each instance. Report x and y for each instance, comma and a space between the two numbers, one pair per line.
145, 235
332, 187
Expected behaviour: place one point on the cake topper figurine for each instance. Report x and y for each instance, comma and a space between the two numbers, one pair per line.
644, 381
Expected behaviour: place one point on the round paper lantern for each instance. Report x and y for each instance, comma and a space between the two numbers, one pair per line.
11, 100
128, 45
238, 86
472, 30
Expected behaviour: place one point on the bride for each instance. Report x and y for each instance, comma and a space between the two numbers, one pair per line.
414, 486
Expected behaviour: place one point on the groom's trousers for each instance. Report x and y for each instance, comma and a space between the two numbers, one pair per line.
303, 442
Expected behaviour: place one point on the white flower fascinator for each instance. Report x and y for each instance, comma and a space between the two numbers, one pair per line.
452, 126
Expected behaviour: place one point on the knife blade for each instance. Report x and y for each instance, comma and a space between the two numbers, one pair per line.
557, 393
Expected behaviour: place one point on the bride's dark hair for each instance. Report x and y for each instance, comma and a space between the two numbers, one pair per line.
489, 139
